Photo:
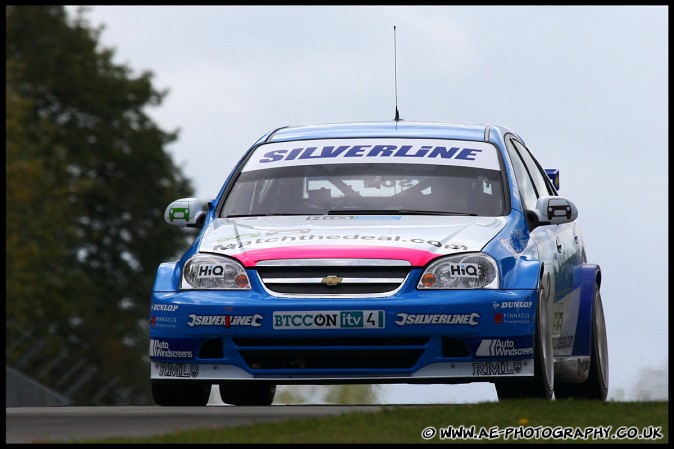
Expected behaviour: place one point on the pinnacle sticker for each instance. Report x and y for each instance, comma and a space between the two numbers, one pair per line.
225, 320
503, 368
501, 348
329, 319
178, 370
470, 319
161, 348
514, 318
164, 321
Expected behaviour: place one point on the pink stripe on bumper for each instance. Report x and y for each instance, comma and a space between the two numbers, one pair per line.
417, 258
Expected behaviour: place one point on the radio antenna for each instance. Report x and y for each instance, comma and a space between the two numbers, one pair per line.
395, 71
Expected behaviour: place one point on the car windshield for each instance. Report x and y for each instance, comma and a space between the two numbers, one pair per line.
367, 183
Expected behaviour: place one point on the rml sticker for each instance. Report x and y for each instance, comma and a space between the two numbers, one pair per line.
353, 151
350, 319
177, 370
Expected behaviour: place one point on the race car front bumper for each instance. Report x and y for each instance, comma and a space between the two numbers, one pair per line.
429, 337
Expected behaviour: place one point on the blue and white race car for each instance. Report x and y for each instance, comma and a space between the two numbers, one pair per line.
384, 252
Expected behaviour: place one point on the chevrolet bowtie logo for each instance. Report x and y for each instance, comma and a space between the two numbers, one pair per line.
331, 281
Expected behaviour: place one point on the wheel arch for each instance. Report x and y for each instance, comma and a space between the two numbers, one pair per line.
588, 277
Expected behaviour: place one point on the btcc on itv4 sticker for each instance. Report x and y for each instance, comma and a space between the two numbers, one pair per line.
329, 319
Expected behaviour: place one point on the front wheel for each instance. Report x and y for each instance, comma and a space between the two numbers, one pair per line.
247, 393
596, 385
181, 394
542, 385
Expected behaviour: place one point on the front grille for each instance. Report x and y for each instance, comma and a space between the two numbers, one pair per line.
342, 359
331, 352
452, 347
211, 349
333, 280
331, 341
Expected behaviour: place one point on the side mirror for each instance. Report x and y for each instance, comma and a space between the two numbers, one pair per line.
185, 212
552, 210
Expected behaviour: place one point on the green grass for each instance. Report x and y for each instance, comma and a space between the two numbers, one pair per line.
405, 424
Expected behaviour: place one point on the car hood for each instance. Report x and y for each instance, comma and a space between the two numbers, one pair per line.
410, 238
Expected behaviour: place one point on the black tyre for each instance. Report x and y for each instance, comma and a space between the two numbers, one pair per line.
257, 393
181, 394
596, 385
542, 384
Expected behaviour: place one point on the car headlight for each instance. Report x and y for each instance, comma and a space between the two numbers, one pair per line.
213, 272
461, 271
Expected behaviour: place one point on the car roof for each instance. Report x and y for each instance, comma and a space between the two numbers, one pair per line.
400, 128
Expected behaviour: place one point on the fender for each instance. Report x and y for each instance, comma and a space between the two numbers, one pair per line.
586, 276
522, 274
167, 278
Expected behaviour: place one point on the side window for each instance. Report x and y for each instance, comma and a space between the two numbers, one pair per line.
537, 173
524, 182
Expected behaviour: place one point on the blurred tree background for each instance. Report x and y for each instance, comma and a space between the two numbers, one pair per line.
87, 180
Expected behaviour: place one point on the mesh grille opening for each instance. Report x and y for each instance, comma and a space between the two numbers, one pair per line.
211, 349
332, 341
333, 359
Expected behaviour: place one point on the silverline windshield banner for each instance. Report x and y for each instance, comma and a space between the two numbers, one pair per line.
353, 151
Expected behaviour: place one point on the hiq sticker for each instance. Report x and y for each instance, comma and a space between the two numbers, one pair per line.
464, 270
211, 271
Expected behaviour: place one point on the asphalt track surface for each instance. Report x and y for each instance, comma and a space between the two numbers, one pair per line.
70, 424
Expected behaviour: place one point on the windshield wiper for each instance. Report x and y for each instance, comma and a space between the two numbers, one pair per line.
269, 214
396, 212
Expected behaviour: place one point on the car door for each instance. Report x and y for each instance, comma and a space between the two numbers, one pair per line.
558, 246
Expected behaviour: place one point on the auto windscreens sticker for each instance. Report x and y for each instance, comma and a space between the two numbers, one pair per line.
171, 349
398, 151
501, 347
